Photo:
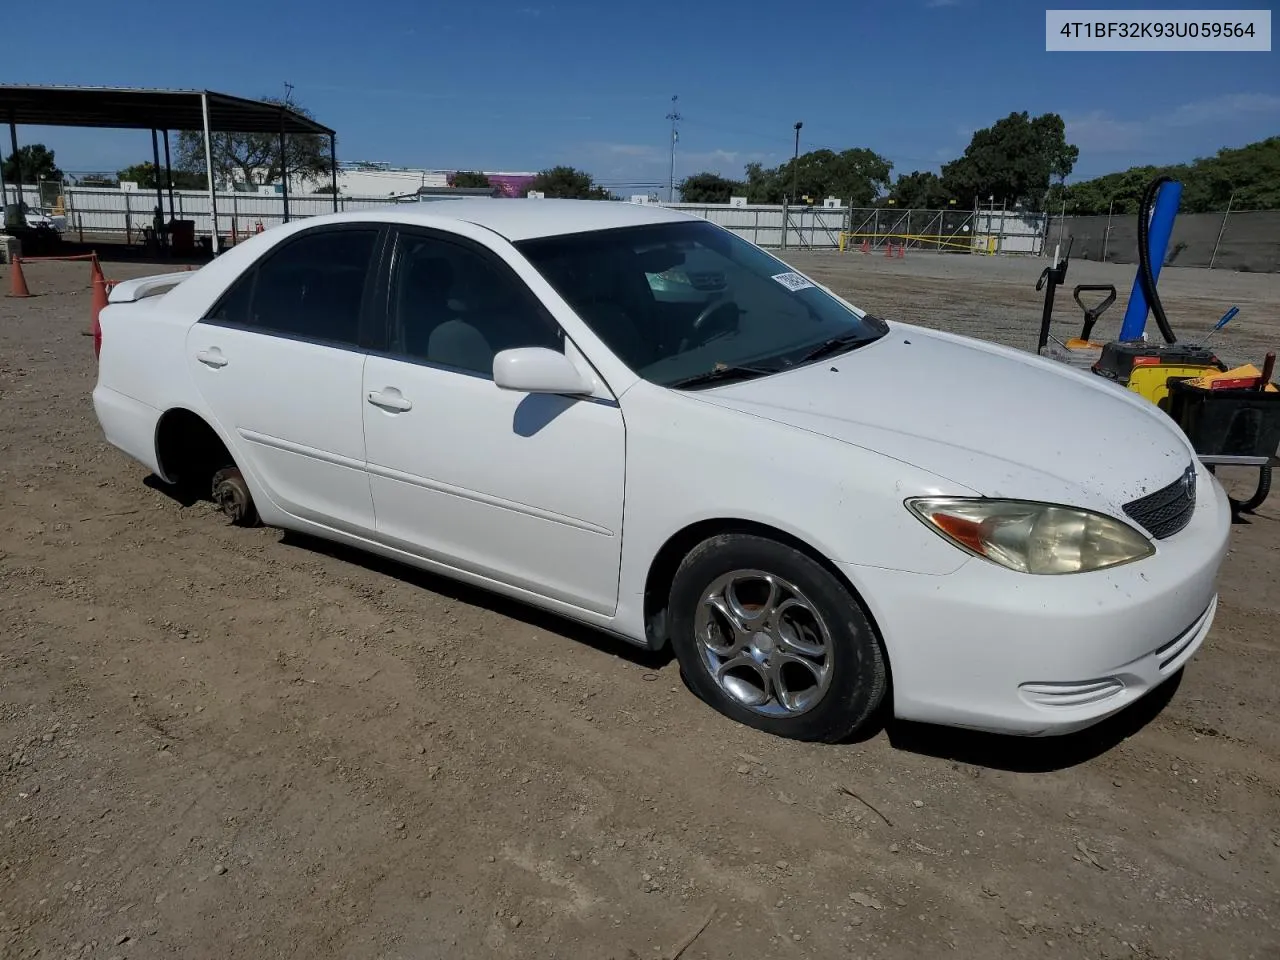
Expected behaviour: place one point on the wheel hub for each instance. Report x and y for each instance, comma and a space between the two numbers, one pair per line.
231, 494
760, 647
764, 643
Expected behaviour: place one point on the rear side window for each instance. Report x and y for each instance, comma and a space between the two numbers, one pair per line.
312, 288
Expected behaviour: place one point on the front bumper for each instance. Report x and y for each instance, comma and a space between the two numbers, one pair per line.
994, 650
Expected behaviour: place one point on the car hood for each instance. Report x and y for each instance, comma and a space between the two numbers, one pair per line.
1000, 422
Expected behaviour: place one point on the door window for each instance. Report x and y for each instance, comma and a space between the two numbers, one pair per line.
312, 287
454, 306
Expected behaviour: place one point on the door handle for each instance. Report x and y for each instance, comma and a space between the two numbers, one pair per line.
212, 358
389, 399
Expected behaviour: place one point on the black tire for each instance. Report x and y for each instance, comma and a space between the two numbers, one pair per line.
231, 495
857, 669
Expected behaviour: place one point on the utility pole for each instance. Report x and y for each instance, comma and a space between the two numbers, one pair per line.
795, 164
674, 117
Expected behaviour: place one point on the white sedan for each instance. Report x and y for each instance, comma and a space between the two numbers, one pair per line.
38, 219
819, 511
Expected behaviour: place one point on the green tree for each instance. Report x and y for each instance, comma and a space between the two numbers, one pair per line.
1014, 161
762, 184
1250, 173
254, 158
468, 178
919, 191
569, 183
709, 188
855, 174
144, 175
37, 164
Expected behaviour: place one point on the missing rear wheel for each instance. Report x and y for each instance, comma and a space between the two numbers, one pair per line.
231, 494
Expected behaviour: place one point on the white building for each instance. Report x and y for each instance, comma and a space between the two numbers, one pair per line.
377, 179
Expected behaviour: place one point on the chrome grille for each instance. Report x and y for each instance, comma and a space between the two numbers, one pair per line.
1169, 509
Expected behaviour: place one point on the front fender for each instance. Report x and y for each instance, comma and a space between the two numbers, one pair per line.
690, 462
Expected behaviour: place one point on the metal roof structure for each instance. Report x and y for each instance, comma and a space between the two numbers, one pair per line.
135, 108
129, 108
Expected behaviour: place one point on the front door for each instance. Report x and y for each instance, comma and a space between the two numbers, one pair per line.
524, 489
279, 362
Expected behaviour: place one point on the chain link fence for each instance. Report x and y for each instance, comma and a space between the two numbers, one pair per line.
874, 228
1247, 241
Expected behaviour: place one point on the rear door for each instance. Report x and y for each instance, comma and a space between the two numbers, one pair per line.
280, 362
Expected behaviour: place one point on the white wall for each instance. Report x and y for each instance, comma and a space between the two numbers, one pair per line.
106, 210
99, 210
382, 183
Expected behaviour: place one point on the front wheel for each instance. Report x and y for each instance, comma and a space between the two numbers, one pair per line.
772, 639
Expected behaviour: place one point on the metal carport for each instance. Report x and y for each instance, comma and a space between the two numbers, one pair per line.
125, 108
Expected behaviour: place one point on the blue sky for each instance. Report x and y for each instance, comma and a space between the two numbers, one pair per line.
524, 84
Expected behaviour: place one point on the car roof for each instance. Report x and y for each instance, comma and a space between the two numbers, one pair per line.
523, 219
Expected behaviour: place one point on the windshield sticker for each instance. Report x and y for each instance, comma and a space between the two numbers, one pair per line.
793, 281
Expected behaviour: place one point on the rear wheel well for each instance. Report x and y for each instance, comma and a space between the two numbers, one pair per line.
189, 452
662, 572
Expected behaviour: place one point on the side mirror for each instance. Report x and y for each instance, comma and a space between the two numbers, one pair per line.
538, 370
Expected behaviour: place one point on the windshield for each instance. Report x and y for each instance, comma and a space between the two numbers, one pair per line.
679, 301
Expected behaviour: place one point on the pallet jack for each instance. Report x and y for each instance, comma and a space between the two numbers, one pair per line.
1234, 422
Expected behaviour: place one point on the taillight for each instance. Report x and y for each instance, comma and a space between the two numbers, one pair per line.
97, 338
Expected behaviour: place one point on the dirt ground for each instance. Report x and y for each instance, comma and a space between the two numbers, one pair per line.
229, 743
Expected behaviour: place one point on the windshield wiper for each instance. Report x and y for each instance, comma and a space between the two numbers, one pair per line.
719, 374
835, 345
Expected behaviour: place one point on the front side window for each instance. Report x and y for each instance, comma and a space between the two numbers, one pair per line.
677, 302
311, 287
454, 306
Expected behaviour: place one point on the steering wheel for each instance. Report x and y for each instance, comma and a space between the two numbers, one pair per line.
703, 331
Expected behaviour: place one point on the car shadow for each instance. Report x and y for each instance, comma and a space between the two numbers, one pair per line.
993, 751
183, 497
447, 587
538, 410
479, 597
1032, 754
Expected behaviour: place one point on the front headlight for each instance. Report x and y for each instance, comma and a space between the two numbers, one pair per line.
1030, 537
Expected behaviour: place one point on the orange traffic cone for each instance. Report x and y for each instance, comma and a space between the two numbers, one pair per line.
901, 247
17, 281
99, 301
888, 249
95, 268
866, 246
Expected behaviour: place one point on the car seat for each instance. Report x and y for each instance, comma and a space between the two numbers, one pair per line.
422, 304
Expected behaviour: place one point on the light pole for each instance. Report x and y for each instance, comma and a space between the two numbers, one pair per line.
795, 164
